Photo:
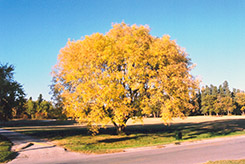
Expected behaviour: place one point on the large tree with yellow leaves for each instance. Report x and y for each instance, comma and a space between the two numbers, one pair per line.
123, 74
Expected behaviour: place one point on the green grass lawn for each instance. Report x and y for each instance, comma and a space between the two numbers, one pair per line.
227, 162
77, 138
5, 153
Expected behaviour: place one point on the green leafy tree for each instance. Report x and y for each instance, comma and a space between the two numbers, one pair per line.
226, 89
217, 108
240, 99
30, 107
196, 101
208, 101
214, 91
227, 101
237, 110
40, 99
228, 104
58, 111
11, 92
43, 109
221, 91
234, 92
217, 100
218, 105
208, 104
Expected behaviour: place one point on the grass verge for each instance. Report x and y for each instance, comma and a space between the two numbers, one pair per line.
5, 147
227, 162
77, 138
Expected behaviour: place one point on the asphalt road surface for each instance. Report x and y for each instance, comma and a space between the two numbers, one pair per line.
187, 153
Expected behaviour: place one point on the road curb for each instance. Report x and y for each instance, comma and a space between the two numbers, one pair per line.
29, 144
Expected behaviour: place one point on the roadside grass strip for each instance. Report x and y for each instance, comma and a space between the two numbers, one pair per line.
5, 150
227, 162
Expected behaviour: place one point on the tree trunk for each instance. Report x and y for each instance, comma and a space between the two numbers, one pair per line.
154, 114
121, 130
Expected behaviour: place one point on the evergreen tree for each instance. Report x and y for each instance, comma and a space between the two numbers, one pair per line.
40, 99
208, 101
234, 92
196, 102
221, 91
227, 91
214, 90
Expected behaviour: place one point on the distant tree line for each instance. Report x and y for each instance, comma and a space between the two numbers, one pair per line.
213, 100
41, 109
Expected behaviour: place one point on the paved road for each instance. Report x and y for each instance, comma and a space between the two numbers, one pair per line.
194, 153
37, 151
186, 153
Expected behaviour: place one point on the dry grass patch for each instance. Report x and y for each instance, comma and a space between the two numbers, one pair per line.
227, 162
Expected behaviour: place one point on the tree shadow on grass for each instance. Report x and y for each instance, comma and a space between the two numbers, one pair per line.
189, 130
58, 133
112, 140
29, 123
212, 128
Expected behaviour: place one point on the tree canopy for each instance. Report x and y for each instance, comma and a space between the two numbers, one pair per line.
41, 109
11, 92
123, 74
220, 100
240, 99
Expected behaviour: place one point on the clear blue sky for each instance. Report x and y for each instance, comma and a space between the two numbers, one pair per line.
33, 31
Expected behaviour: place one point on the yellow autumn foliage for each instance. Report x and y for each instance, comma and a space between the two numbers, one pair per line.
240, 99
123, 74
